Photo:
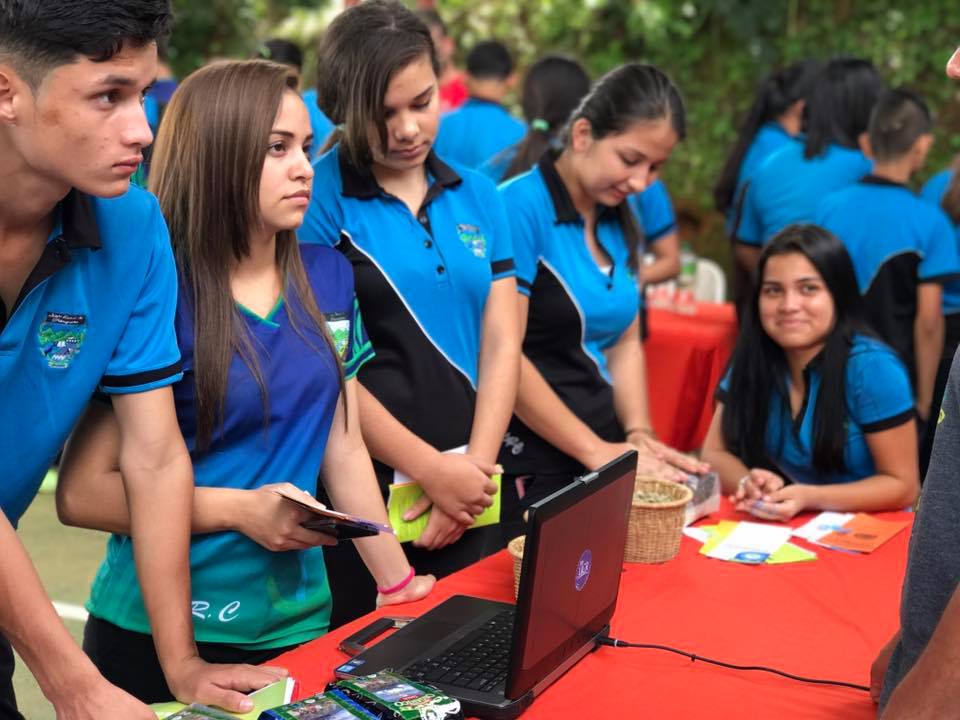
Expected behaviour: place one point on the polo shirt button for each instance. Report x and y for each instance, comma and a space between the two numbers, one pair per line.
441, 269
428, 244
423, 219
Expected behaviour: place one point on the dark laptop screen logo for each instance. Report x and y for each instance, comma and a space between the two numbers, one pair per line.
583, 569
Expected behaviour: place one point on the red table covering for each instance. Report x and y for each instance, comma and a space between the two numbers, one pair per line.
686, 356
824, 619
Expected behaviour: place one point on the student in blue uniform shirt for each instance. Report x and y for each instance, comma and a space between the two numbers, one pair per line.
788, 186
814, 414
552, 88
902, 248
289, 54
87, 298
582, 397
272, 340
658, 221
430, 247
482, 126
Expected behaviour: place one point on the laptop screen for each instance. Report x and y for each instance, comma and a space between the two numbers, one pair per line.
572, 564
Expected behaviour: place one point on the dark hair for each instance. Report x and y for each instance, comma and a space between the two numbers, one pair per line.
899, 118
552, 90
282, 51
628, 94
839, 104
361, 51
776, 94
489, 60
758, 366
39, 35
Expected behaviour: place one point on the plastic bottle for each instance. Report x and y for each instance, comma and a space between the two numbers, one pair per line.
685, 301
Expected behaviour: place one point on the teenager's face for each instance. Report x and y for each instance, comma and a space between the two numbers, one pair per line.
287, 173
796, 308
84, 126
624, 163
411, 113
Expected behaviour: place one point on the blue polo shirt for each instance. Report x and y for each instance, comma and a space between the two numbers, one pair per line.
319, 123
577, 309
769, 138
476, 131
422, 280
244, 594
654, 210
96, 313
787, 188
896, 241
878, 398
933, 193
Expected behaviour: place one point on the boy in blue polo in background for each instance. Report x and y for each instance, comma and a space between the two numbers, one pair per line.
87, 300
482, 127
902, 248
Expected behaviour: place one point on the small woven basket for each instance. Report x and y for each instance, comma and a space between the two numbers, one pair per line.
515, 548
654, 532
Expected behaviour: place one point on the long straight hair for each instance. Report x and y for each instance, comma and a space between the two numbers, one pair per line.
758, 367
776, 94
361, 51
839, 104
206, 173
552, 89
628, 94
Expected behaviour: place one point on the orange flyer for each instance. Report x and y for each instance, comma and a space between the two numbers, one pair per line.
864, 533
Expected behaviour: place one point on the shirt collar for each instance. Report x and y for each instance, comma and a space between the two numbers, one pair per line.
77, 221
875, 180
361, 183
563, 205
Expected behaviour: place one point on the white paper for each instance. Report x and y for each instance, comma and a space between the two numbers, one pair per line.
751, 543
698, 534
822, 525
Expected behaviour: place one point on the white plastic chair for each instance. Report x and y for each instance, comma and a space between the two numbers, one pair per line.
710, 284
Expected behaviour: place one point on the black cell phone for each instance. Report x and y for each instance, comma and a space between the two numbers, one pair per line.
342, 529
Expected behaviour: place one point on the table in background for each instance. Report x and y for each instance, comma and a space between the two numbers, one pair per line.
824, 619
686, 356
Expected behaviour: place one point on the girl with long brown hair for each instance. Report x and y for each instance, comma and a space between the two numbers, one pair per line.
271, 340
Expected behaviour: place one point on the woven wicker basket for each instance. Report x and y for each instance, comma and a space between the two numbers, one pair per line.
515, 548
654, 532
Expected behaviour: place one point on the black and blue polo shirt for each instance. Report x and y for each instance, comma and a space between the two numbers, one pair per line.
654, 209
96, 313
422, 281
477, 131
896, 242
933, 192
787, 188
577, 309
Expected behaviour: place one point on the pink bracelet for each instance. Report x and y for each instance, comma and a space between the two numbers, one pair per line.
400, 585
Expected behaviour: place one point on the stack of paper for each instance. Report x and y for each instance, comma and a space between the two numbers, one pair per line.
749, 543
845, 531
821, 526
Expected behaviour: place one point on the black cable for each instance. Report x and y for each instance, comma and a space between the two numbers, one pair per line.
613, 642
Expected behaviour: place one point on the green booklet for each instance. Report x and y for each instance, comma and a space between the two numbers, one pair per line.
404, 494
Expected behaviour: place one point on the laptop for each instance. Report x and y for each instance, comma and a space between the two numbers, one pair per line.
496, 657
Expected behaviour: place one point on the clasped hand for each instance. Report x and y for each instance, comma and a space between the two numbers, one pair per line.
765, 495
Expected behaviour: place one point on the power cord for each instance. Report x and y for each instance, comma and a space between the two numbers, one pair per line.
613, 642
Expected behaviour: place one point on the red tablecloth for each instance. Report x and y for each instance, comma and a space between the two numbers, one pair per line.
686, 356
823, 619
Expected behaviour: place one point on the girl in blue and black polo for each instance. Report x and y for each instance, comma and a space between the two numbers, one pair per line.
430, 246
582, 396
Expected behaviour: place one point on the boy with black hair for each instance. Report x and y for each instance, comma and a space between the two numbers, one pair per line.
87, 298
903, 249
482, 127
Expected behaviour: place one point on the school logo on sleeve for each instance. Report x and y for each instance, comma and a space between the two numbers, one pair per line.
339, 326
60, 337
473, 240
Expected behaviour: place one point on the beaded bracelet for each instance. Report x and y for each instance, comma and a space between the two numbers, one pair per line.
400, 585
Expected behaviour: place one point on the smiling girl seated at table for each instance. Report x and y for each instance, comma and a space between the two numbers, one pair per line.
814, 414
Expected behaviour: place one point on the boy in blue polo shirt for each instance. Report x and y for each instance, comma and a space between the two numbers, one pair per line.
482, 127
902, 248
87, 297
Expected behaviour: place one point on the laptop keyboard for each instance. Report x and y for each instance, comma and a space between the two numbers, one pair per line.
477, 662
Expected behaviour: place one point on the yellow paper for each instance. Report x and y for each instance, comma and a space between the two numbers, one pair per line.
787, 553
404, 495
273, 695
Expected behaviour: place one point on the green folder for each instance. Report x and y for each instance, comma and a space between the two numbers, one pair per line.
404, 495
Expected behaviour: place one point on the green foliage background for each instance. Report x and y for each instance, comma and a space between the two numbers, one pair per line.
716, 50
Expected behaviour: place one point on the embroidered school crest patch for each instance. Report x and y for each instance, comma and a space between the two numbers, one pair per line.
473, 240
60, 337
339, 326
